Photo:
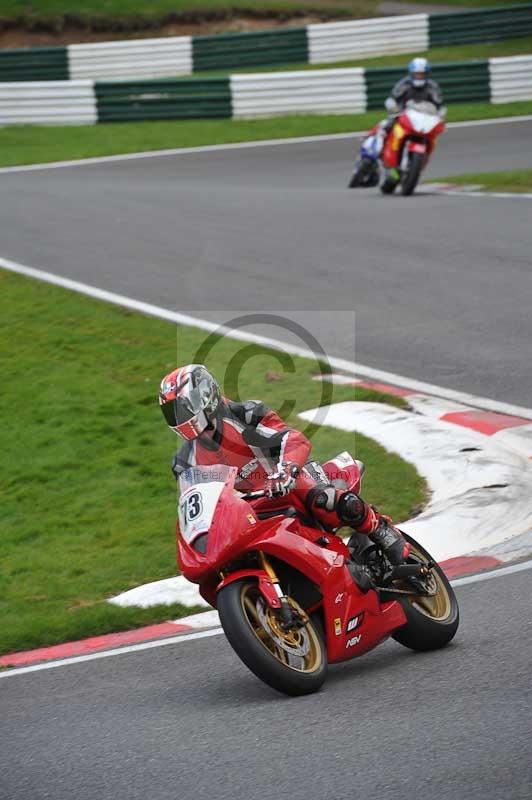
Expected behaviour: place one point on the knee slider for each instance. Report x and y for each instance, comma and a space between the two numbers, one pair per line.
322, 496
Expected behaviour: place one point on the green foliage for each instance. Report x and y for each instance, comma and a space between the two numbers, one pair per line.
88, 499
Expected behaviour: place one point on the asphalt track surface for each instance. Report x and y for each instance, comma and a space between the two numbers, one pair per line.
190, 722
441, 287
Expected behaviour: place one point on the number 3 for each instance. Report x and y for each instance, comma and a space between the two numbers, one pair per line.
193, 507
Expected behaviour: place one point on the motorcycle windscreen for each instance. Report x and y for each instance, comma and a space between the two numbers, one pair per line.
201, 488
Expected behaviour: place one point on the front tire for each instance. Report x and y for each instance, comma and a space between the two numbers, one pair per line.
431, 621
389, 185
410, 179
293, 661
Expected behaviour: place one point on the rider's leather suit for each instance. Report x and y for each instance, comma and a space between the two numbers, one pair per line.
256, 440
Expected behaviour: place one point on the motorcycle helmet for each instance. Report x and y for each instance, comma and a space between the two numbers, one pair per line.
418, 71
189, 398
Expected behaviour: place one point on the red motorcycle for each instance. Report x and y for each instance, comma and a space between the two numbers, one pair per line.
409, 145
291, 596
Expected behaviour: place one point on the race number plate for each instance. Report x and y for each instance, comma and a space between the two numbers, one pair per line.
196, 509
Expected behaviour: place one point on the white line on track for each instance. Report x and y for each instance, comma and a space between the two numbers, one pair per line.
211, 148
503, 195
337, 363
187, 637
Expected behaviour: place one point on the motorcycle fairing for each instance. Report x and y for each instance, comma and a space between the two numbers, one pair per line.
321, 559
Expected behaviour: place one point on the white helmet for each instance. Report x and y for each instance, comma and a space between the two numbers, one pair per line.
418, 70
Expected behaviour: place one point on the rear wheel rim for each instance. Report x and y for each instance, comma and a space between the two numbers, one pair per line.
298, 649
438, 606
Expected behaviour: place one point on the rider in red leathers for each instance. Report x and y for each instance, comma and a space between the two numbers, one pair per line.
255, 439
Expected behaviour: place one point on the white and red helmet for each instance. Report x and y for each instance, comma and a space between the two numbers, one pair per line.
189, 397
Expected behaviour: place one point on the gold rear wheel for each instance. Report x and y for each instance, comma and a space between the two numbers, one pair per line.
431, 619
437, 606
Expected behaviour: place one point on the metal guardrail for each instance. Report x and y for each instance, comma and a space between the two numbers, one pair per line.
138, 58
47, 102
370, 37
460, 82
263, 48
315, 44
34, 64
168, 99
327, 91
323, 91
481, 25
511, 79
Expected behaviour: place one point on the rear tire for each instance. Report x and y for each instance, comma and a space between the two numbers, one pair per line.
431, 621
249, 623
410, 179
363, 175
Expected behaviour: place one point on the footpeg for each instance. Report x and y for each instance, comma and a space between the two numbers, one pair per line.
403, 571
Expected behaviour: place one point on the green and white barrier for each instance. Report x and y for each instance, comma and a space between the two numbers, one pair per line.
327, 91
338, 41
48, 103
313, 44
510, 79
248, 96
140, 58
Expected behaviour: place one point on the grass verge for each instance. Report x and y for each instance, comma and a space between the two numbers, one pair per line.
472, 3
89, 501
32, 144
519, 180
112, 10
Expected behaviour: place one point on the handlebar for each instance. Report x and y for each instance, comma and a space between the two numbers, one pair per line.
254, 495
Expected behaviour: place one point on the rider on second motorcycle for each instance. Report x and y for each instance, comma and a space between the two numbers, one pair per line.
415, 86
255, 439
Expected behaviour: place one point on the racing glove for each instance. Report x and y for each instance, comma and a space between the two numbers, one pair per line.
281, 483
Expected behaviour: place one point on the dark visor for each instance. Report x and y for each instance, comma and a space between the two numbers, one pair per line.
175, 413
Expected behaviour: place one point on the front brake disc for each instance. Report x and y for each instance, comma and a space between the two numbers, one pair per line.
292, 649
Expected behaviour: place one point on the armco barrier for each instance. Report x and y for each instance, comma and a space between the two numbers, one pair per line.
328, 91
138, 58
511, 79
34, 64
369, 37
49, 102
323, 91
168, 99
460, 82
485, 25
315, 44
227, 51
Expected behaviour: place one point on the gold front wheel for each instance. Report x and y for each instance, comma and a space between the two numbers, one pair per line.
291, 658
298, 647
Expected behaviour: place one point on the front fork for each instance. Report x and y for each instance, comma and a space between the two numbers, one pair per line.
286, 613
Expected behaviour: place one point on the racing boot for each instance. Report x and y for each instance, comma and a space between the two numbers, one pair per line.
353, 511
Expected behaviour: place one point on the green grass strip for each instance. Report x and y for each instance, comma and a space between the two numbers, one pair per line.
519, 180
33, 144
139, 9
88, 499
